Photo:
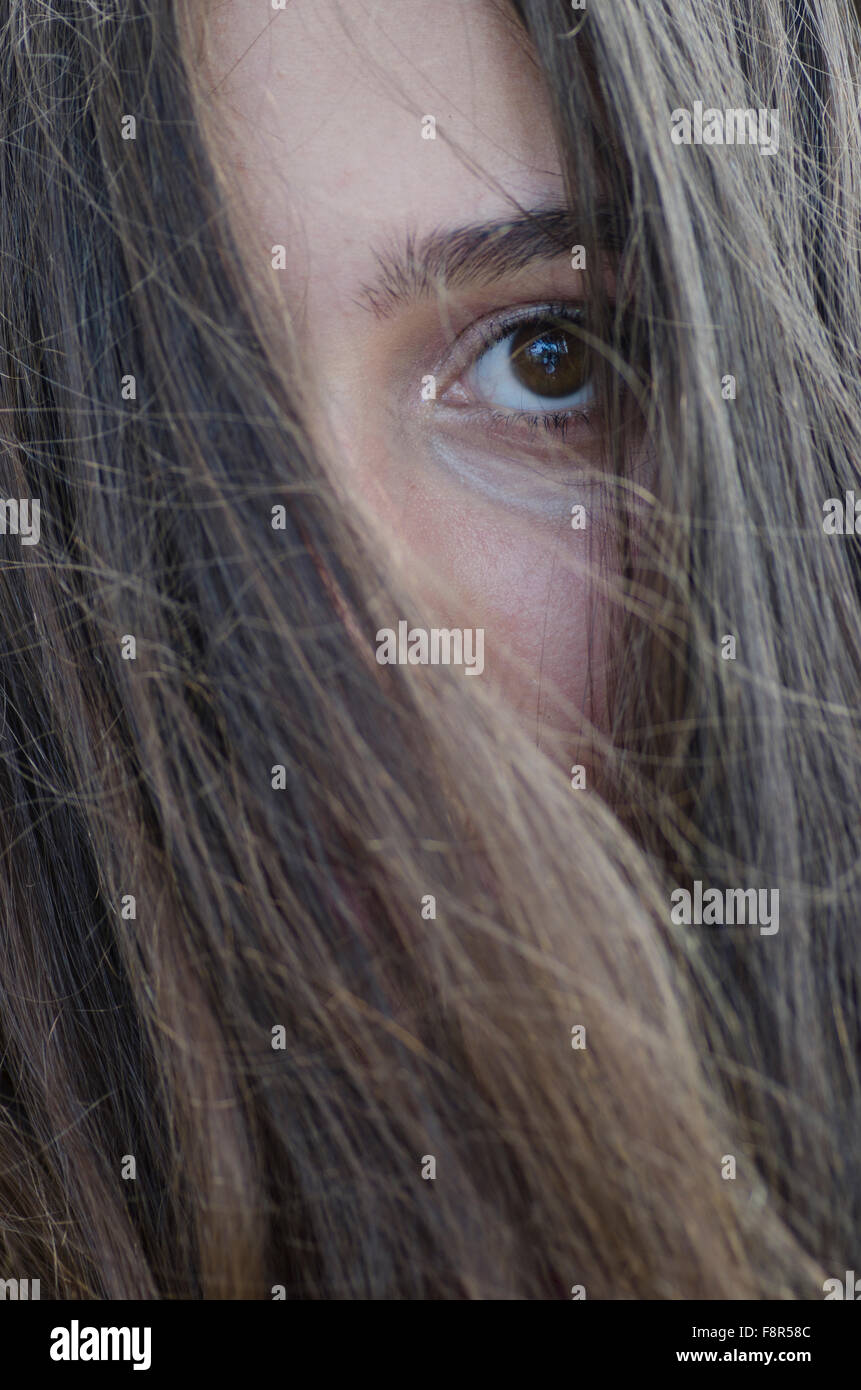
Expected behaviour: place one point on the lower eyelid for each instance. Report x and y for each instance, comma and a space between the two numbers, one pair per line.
472, 411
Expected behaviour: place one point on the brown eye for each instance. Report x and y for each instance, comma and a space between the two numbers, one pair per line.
549, 361
540, 364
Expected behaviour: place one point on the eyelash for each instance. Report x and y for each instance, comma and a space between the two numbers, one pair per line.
554, 422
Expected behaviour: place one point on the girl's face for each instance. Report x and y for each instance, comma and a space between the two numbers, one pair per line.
396, 150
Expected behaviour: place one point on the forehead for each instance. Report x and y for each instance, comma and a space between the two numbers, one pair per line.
326, 104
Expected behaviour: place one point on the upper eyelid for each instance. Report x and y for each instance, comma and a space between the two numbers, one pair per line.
500, 327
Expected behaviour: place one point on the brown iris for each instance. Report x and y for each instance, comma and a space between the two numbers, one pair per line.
548, 360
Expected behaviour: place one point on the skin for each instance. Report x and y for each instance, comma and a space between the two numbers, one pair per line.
324, 107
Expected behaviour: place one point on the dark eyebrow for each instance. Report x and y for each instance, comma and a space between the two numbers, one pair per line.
479, 254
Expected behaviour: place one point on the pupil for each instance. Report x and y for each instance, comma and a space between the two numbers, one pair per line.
550, 362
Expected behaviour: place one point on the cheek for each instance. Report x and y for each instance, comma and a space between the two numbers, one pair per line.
529, 587
530, 583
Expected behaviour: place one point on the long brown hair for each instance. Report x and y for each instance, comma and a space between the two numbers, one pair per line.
165, 910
